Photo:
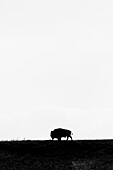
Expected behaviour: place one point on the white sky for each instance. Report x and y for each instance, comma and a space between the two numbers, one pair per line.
56, 68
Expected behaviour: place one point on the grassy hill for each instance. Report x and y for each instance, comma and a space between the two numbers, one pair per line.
56, 155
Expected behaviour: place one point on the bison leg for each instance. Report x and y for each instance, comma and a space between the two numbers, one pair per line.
70, 137
67, 137
59, 139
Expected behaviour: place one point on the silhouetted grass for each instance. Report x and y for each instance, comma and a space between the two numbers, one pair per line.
55, 155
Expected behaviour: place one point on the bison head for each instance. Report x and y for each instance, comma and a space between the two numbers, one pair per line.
52, 135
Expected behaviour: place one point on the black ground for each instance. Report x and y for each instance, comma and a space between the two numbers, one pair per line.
56, 155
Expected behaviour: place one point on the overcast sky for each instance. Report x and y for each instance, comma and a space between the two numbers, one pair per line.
56, 68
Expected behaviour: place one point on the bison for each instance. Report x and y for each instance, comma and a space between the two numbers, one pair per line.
59, 133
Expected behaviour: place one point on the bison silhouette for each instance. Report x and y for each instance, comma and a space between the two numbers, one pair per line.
59, 133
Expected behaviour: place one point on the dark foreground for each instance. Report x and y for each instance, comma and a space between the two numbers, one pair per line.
57, 155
